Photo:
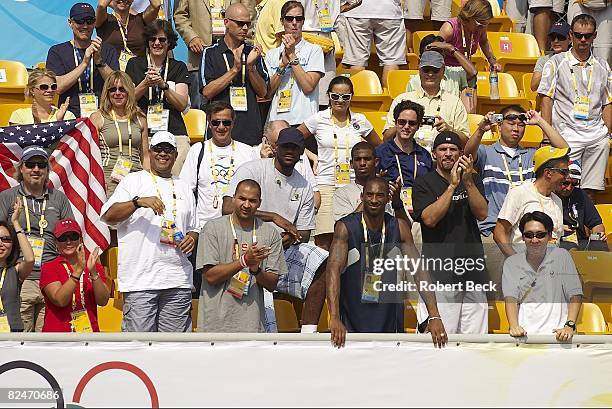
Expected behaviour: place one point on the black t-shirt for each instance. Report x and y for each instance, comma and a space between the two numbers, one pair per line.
137, 68
456, 236
580, 212
248, 127
61, 60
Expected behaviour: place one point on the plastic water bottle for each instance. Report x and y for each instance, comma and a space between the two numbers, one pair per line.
178, 236
493, 84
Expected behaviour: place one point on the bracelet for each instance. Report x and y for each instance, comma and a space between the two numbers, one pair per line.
20, 231
77, 279
242, 261
433, 318
94, 278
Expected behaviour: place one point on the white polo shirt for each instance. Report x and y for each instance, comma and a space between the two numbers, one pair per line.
382, 9
545, 307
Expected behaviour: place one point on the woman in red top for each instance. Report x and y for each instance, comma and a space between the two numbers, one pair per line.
72, 289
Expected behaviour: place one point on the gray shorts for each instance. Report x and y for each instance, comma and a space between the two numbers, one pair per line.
389, 39
440, 9
593, 159
157, 310
518, 9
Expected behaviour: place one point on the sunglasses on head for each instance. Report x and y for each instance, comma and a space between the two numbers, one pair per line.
536, 234
70, 236
112, 90
31, 164
336, 97
47, 87
580, 36
240, 23
557, 37
217, 122
569, 182
563, 172
514, 117
165, 148
6, 239
162, 40
403, 122
88, 21
290, 19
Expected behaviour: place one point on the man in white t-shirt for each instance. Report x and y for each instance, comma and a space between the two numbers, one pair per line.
551, 167
287, 200
154, 213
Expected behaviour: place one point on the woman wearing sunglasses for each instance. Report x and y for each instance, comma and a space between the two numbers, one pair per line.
336, 131
73, 284
122, 127
42, 88
541, 286
13, 270
162, 86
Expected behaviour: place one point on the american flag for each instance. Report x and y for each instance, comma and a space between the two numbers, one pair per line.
76, 169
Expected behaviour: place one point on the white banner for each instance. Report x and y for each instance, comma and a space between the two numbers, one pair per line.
307, 373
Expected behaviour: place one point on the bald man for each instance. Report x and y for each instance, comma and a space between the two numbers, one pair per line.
233, 72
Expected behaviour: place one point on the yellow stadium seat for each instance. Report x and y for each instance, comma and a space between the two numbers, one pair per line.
410, 316
13, 81
590, 320
286, 319
498, 321
369, 94
7, 109
508, 94
532, 96
412, 60
397, 81
517, 53
417, 36
323, 325
594, 268
109, 317
605, 211
378, 119
533, 137
489, 137
195, 122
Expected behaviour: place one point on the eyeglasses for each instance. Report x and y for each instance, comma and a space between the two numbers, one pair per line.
165, 148
563, 172
479, 24
217, 122
514, 117
112, 90
557, 37
70, 236
403, 122
162, 40
567, 183
536, 234
46, 87
431, 70
88, 21
32, 165
580, 36
336, 97
290, 19
6, 239
240, 23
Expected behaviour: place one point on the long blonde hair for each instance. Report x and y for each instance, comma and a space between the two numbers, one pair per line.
479, 10
131, 109
35, 75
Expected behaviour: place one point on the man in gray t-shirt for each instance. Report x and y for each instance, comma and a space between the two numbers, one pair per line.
239, 256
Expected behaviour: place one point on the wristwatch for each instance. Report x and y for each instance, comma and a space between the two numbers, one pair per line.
165, 88
102, 64
571, 324
135, 202
295, 61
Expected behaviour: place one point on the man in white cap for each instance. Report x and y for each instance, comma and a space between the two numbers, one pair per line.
155, 216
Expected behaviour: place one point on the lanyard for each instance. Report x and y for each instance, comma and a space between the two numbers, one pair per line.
243, 58
81, 288
346, 137
123, 35
469, 50
508, 170
590, 81
215, 5
291, 80
160, 196
129, 125
253, 237
161, 95
1, 287
367, 241
42, 222
399, 168
215, 172
88, 71
316, 2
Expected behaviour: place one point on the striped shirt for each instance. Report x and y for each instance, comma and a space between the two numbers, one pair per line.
492, 161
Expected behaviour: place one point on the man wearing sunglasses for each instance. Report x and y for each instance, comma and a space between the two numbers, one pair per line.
155, 216
559, 42
233, 72
576, 91
42, 208
580, 217
82, 64
551, 167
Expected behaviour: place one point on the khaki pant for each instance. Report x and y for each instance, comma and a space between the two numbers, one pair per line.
32, 306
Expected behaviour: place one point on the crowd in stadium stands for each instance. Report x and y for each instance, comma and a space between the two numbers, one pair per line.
229, 220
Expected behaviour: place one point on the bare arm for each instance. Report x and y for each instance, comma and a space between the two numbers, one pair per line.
101, 292
502, 234
372, 138
336, 263
215, 87
24, 268
546, 107
275, 80
304, 130
433, 213
257, 82
67, 81
60, 294
607, 117
101, 13
152, 11
217, 275
267, 280
144, 143
551, 133
478, 204
178, 98
389, 133
574, 307
485, 46
535, 80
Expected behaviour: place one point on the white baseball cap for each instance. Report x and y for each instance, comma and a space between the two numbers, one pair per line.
163, 137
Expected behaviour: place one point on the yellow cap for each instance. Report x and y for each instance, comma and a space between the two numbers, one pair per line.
547, 153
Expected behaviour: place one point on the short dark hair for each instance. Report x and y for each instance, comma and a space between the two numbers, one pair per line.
376, 180
514, 108
409, 105
340, 79
155, 27
362, 146
249, 183
428, 39
14, 256
218, 106
584, 19
290, 5
553, 163
539, 217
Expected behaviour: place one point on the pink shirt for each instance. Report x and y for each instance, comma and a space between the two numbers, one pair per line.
457, 41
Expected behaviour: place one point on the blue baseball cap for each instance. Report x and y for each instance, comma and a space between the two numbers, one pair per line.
34, 150
290, 135
81, 11
561, 28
